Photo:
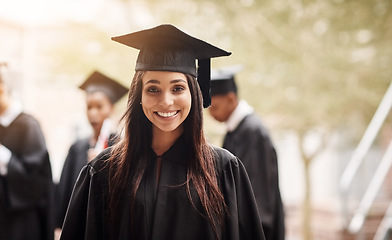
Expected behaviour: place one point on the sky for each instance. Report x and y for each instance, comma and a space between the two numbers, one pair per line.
40, 12
103, 13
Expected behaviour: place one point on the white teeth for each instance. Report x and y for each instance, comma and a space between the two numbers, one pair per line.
167, 114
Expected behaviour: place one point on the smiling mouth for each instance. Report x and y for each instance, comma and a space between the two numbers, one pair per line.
167, 114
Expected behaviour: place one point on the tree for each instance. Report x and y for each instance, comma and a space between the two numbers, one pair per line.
318, 65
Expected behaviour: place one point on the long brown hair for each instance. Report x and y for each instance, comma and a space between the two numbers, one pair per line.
128, 161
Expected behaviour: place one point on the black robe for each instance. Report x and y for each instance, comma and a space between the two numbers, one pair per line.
251, 143
163, 212
76, 159
26, 191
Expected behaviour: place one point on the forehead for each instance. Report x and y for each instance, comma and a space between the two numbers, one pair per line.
97, 96
163, 77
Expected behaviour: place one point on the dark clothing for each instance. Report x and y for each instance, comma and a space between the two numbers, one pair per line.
26, 191
163, 211
251, 143
75, 161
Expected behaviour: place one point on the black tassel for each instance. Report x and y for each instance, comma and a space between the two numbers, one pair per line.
204, 78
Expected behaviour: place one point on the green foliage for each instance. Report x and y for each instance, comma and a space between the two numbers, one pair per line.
307, 64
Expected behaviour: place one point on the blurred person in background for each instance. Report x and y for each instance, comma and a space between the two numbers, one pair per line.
102, 93
164, 180
249, 140
26, 185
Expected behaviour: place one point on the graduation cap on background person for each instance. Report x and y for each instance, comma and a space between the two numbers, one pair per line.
223, 80
166, 48
99, 82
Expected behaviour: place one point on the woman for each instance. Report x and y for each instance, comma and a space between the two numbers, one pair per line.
102, 93
163, 180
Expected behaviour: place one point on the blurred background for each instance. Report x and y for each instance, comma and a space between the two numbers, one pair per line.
317, 72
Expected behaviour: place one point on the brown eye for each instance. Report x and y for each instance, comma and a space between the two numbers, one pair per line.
178, 89
152, 90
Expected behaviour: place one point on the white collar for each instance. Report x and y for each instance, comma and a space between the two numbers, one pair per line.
240, 112
10, 114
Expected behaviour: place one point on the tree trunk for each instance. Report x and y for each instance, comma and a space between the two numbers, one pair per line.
307, 204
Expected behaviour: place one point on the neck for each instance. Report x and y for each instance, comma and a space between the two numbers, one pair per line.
233, 107
96, 135
162, 141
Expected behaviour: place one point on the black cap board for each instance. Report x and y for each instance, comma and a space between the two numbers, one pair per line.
166, 48
99, 82
223, 80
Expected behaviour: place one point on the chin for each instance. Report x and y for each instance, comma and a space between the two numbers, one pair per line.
169, 129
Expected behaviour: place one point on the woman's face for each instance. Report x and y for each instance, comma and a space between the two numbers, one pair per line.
99, 108
166, 99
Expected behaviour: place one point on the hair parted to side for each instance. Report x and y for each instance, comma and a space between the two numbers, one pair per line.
128, 161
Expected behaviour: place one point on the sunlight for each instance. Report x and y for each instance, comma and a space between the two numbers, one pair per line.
41, 12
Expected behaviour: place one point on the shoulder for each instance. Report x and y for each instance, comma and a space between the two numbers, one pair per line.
26, 119
253, 121
27, 128
229, 169
100, 162
223, 158
253, 124
80, 143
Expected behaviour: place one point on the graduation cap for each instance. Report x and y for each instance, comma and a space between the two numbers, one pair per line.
99, 82
223, 80
166, 48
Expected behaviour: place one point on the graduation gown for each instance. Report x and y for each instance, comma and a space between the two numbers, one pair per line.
251, 143
163, 211
26, 191
76, 159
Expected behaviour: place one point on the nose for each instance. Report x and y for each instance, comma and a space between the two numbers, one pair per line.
166, 100
92, 112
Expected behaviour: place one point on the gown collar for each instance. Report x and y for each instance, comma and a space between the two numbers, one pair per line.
242, 110
177, 152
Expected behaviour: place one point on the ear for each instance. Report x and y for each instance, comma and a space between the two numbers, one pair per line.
232, 98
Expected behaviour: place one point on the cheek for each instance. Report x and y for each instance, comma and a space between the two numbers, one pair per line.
146, 103
186, 102
91, 112
106, 113
89, 115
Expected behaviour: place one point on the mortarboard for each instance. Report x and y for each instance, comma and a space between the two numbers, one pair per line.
223, 80
99, 82
166, 48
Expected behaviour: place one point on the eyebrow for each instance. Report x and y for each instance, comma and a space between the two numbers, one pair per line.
154, 81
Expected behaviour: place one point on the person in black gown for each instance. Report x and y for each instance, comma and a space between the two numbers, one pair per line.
163, 180
26, 185
102, 92
248, 139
